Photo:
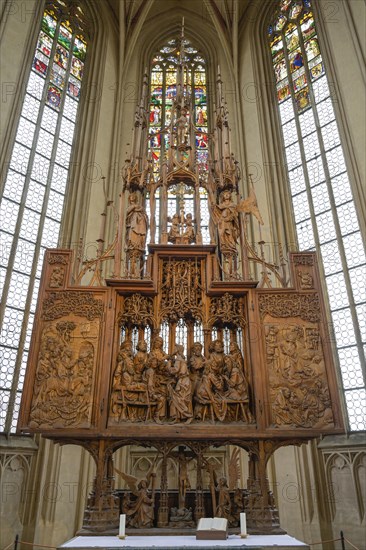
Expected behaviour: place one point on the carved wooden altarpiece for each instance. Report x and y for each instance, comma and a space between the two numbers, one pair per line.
186, 345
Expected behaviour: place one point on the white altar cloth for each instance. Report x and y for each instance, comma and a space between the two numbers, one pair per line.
189, 542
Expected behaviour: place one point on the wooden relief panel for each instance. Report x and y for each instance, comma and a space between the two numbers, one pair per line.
64, 361
298, 388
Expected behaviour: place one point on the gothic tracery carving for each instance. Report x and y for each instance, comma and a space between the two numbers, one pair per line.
81, 303
137, 310
306, 306
181, 289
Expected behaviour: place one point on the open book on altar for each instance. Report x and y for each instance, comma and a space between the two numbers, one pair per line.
212, 529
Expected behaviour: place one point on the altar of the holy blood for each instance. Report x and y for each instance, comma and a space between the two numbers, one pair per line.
181, 336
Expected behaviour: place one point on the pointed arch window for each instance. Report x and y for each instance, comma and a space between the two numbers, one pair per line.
162, 133
324, 210
35, 186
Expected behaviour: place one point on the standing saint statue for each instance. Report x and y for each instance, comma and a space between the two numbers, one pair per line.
226, 217
136, 231
180, 392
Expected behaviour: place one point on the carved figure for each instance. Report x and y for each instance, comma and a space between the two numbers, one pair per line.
306, 280
182, 128
180, 394
189, 235
174, 231
223, 509
140, 512
155, 392
209, 391
196, 364
57, 277
140, 359
226, 217
136, 230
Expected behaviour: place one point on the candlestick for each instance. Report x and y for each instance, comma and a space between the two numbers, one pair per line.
122, 526
243, 526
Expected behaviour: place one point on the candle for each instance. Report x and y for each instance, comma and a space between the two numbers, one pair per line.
243, 525
122, 526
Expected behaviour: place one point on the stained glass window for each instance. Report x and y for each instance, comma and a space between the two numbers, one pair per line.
325, 215
32, 203
162, 136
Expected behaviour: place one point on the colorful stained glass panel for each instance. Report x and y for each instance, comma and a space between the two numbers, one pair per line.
79, 49
280, 70
308, 27
49, 25
284, 91
296, 60
40, 63
292, 41
73, 87
302, 100
201, 115
64, 37
280, 22
157, 95
61, 56
58, 76
53, 97
296, 9
77, 67
312, 48
44, 44
155, 115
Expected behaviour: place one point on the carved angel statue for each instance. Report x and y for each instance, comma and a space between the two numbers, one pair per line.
140, 512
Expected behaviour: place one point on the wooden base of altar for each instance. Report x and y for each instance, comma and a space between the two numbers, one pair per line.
170, 542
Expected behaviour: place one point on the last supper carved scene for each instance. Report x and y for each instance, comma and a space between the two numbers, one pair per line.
181, 344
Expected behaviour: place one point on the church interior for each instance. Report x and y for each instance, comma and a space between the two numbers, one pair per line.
182, 268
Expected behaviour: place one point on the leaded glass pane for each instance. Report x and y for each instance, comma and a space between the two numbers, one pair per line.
337, 291
320, 198
354, 249
305, 235
349, 361
326, 228
343, 327
356, 405
347, 218
25, 132
9, 215
14, 186
358, 283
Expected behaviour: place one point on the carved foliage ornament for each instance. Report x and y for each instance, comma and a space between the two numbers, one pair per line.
59, 304
181, 289
137, 310
306, 306
227, 310
58, 259
303, 260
